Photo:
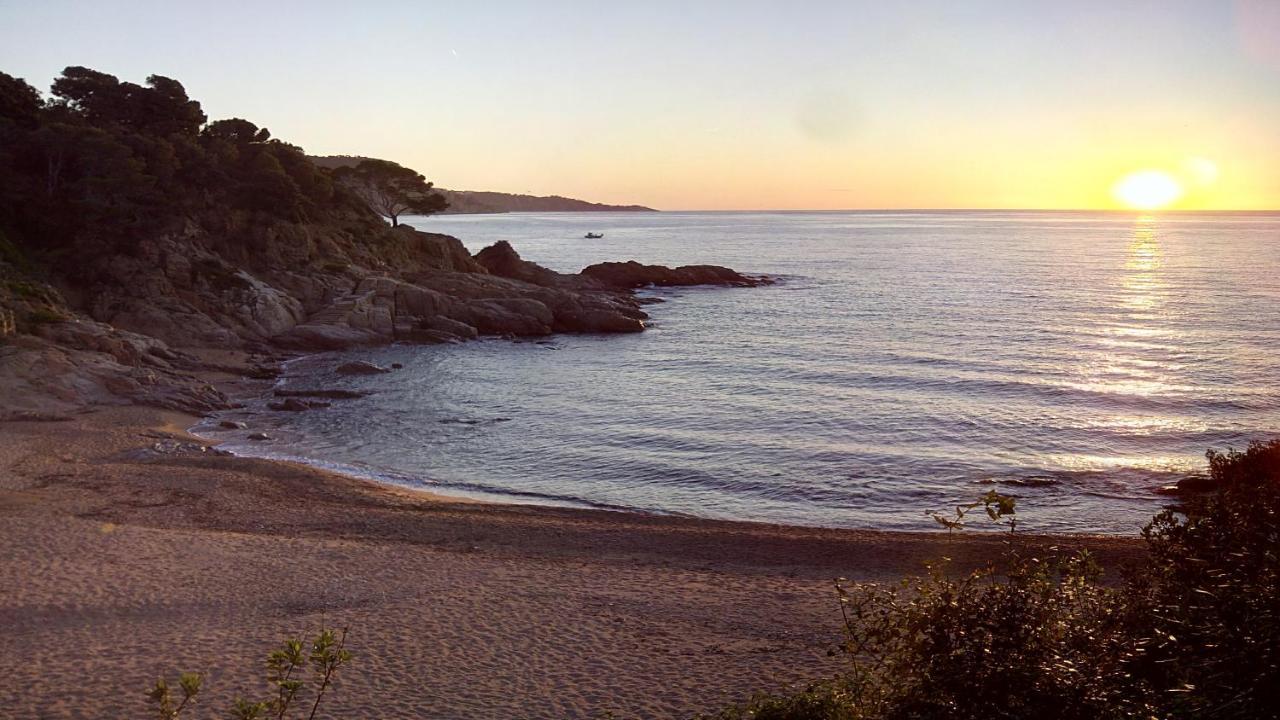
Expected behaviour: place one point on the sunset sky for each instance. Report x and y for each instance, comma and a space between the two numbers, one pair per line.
726, 105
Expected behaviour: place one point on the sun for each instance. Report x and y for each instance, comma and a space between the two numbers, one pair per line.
1147, 190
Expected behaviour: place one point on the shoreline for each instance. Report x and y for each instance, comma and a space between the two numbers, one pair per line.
137, 553
240, 388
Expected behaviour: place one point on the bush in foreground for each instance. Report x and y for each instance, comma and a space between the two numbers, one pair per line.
1192, 633
290, 694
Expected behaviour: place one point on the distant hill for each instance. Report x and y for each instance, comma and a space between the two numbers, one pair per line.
480, 201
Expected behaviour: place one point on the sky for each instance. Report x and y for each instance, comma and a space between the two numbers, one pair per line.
726, 105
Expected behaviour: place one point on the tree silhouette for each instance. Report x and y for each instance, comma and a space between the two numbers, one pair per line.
236, 130
391, 190
19, 102
161, 108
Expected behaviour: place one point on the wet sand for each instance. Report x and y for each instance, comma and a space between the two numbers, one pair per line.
125, 555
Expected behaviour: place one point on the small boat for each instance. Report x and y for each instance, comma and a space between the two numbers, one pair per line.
593, 236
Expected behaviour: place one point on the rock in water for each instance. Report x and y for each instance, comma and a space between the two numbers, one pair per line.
360, 367
259, 436
296, 405
628, 275
232, 425
329, 394
1193, 484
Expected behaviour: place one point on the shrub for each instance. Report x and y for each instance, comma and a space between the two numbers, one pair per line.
45, 316
24, 289
10, 253
1207, 605
1022, 644
1193, 632
288, 690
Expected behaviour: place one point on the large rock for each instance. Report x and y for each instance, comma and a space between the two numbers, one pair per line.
592, 318
183, 294
438, 252
329, 394
507, 316
435, 306
631, 274
124, 347
417, 301
261, 309
360, 367
448, 326
37, 375
502, 260
296, 405
324, 336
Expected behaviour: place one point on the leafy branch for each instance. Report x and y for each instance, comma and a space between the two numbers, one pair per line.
325, 654
999, 508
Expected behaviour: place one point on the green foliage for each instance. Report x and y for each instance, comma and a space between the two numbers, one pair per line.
22, 289
236, 130
8, 324
10, 253
104, 162
390, 189
167, 705
1193, 632
45, 316
19, 102
1023, 644
288, 667
1000, 509
1207, 606
160, 108
826, 700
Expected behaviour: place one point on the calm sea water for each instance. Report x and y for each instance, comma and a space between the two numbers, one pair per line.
904, 363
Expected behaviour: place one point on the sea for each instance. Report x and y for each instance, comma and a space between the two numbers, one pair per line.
904, 363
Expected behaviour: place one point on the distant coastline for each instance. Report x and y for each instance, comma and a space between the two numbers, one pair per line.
478, 202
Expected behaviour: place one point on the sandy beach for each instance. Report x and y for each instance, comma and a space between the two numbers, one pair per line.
129, 553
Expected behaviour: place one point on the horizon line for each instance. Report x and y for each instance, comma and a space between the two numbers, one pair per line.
1113, 211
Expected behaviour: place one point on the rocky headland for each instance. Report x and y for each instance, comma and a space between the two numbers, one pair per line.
136, 332
140, 241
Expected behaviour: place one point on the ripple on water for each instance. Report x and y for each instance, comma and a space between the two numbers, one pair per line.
907, 362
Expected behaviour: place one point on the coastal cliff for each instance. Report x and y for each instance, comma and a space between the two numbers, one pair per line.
133, 234
125, 335
476, 202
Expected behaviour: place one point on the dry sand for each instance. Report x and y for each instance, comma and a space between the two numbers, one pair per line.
119, 563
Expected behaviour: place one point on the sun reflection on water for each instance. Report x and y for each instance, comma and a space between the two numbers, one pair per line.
1138, 313
1103, 463
1142, 287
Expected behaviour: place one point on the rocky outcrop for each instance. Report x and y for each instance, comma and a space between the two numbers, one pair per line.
188, 296
74, 364
197, 288
501, 259
235, 283
53, 361
360, 367
508, 296
629, 275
